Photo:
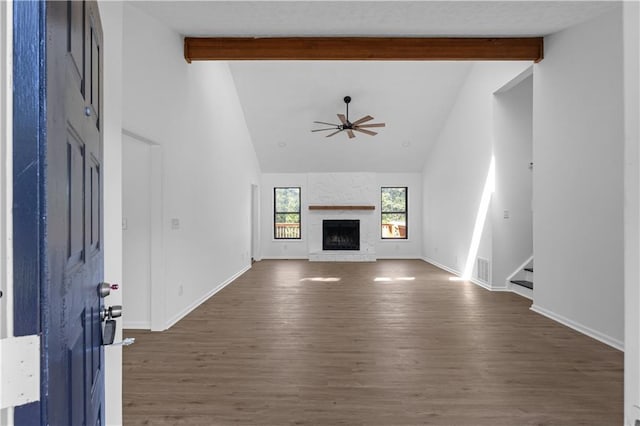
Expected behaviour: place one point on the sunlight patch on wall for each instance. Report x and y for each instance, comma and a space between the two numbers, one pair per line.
489, 188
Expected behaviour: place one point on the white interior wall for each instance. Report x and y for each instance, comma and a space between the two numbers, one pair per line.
632, 211
512, 147
578, 179
193, 112
111, 14
300, 249
136, 231
456, 170
256, 237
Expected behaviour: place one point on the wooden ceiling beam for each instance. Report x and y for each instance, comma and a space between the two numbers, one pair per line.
363, 48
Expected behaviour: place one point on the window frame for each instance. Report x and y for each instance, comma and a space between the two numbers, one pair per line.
405, 213
276, 213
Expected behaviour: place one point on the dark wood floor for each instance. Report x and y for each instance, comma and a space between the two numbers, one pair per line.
387, 343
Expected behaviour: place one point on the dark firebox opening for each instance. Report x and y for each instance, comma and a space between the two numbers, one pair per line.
340, 235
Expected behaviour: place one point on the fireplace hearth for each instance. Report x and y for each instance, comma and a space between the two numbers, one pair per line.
340, 235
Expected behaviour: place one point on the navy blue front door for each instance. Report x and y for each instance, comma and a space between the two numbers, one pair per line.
74, 213
69, 211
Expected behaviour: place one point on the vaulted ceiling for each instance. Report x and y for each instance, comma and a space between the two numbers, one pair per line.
281, 99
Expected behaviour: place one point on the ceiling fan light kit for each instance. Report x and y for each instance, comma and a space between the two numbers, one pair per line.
348, 126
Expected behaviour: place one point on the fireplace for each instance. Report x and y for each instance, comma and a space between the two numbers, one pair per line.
340, 235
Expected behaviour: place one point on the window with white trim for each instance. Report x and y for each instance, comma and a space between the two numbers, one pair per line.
393, 213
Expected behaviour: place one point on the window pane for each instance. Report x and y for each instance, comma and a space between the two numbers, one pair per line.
394, 225
286, 213
287, 225
287, 218
394, 199
287, 199
394, 212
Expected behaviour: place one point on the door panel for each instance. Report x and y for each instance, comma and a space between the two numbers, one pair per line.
95, 73
95, 185
75, 44
75, 199
76, 403
93, 62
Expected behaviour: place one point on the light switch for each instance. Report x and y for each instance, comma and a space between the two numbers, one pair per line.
124, 224
506, 214
175, 223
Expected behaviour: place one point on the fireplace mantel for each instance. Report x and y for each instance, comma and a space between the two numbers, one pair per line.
339, 207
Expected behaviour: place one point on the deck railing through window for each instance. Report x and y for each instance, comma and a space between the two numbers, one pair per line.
394, 230
287, 230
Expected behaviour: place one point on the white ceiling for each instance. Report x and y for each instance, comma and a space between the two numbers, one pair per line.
370, 18
282, 99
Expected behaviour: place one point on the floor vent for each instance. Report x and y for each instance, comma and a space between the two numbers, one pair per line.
482, 270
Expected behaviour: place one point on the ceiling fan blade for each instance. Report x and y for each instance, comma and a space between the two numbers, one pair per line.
334, 133
322, 130
350, 133
372, 125
368, 132
324, 122
342, 118
363, 120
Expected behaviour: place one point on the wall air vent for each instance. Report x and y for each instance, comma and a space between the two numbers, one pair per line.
483, 272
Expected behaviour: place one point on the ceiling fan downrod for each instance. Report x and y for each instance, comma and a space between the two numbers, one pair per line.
347, 99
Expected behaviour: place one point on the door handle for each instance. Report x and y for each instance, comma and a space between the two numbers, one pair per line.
111, 312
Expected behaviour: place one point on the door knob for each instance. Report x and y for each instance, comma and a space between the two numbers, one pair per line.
104, 289
111, 312
115, 311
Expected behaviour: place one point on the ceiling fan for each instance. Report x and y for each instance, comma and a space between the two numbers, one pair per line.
347, 125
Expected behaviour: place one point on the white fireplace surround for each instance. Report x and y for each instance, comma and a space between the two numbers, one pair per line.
343, 189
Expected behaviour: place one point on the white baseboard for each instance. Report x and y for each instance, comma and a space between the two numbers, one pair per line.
400, 257
480, 284
136, 325
458, 273
521, 291
285, 258
378, 257
441, 266
186, 311
607, 340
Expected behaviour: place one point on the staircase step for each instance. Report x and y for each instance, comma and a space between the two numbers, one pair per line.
527, 284
528, 269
